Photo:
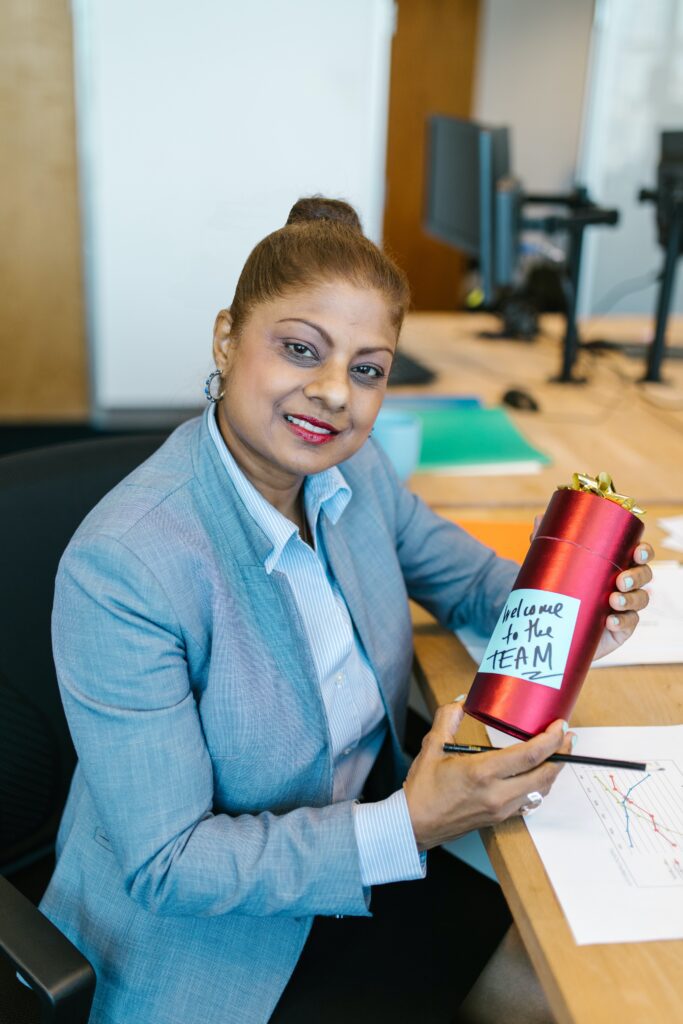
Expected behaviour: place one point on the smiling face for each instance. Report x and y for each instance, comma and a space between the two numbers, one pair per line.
303, 383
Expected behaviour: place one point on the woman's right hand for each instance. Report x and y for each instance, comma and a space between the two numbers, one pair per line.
450, 794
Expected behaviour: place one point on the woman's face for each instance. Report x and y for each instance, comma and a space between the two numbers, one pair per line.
304, 381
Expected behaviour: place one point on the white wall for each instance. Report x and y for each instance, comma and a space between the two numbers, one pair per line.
199, 126
531, 70
635, 91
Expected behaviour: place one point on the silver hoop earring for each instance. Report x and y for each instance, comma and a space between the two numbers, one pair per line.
207, 387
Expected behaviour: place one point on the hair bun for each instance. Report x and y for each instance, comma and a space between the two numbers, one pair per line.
321, 208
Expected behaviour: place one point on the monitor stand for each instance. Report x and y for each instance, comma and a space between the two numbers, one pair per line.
658, 350
582, 213
406, 370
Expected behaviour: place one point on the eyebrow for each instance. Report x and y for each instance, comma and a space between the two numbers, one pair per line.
324, 334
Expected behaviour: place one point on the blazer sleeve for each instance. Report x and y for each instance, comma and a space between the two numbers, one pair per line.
446, 570
121, 662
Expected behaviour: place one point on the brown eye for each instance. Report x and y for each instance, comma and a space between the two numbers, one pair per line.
298, 349
366, 370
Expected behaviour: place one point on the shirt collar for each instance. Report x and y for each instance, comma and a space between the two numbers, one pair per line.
327, 491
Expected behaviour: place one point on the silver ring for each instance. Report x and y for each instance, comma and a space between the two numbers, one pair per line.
534, 802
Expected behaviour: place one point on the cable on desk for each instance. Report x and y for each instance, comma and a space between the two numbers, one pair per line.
663, 415
612, 363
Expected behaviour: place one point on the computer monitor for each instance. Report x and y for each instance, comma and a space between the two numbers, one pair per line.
473, 203
466, 163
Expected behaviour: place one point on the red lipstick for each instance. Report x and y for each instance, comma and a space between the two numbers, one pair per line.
310, 429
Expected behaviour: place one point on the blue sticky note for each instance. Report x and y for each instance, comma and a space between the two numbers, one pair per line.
532, 637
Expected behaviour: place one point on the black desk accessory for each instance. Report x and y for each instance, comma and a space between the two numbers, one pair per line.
406, 370
518, 398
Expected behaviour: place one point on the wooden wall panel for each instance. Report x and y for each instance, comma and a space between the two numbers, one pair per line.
433, 61
42, 339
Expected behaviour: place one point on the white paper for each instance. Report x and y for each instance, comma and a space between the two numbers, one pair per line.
524, 467
674, 524
611, 840
473, 641
658, 639
674, 528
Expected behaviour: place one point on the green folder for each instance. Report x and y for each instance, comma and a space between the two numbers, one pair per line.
471, 436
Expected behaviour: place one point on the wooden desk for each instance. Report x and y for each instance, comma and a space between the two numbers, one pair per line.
643, 447
634, 430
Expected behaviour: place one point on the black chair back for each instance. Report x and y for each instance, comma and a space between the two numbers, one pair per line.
44, 495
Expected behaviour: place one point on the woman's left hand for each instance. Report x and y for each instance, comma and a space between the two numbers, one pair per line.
627, 600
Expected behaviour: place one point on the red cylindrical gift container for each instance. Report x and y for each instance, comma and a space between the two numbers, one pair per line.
547, 634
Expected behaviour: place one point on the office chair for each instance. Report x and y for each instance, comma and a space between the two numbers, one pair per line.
44, 495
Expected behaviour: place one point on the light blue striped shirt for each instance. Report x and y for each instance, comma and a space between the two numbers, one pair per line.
355, 713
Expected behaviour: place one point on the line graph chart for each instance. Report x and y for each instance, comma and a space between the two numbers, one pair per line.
642, 814
611, 841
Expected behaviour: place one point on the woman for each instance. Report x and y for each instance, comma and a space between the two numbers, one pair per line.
233, 644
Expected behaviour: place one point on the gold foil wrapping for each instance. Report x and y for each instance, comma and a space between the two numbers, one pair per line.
603, 486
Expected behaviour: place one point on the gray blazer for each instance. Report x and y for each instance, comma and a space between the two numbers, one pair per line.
198, 839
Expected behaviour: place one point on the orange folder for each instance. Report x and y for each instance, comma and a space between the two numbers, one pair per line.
510, 540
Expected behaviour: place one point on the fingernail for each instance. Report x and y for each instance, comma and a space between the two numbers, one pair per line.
456, 700
628, 582
644, 555
621, 601
565, 726
574, 739
614, 619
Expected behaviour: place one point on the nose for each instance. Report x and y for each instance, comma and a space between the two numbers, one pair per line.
330, 386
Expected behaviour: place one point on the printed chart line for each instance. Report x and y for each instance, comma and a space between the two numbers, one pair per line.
625, 802
624, 799
642, 814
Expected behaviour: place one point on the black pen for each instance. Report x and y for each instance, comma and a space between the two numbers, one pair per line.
600, 762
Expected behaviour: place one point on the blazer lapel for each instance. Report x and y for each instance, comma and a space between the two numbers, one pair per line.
244, 547
274, 608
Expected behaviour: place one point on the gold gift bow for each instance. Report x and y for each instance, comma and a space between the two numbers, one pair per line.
603, 486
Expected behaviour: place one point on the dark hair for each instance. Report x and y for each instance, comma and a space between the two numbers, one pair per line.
322, 240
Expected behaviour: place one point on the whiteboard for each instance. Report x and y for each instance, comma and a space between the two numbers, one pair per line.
635, 90
199, 125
